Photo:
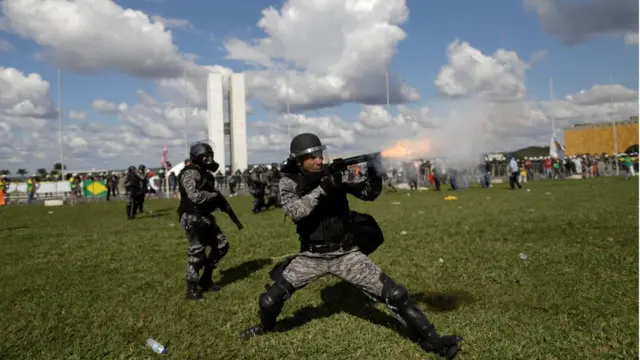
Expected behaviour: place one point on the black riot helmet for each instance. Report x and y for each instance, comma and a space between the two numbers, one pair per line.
201, 154
131, 168
304, 145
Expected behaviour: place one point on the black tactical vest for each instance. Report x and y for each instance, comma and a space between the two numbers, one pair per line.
207, 183
329, 222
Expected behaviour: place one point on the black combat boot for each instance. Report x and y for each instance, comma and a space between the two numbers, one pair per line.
445, 346
193, 293
398, 299
206, 282
253, 331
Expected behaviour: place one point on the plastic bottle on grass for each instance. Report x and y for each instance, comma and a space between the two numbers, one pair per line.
156, 346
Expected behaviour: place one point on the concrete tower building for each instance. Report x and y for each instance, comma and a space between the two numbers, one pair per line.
236, 128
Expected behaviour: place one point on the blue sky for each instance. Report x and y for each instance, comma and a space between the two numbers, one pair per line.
430, 28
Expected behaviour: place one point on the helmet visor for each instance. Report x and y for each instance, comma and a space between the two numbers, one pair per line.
314, 152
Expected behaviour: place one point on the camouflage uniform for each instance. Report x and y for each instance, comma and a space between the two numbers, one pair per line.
325, 210
273, 186
257, 185
349, 264
198, 200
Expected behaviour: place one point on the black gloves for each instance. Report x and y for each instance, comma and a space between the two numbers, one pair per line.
337, 166
332, 183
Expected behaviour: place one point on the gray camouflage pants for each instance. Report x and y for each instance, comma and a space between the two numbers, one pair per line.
202, 232
354, 267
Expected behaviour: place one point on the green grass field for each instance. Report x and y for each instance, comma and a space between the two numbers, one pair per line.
83, 283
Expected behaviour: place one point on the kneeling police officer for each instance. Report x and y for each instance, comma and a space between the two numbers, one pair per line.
316, 201
198, 199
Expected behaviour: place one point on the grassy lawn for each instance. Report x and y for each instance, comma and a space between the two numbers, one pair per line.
83, 283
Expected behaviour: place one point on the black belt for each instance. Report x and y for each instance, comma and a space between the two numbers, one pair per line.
320, 249
346, 244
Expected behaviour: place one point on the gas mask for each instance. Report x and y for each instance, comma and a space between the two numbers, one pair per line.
207, 162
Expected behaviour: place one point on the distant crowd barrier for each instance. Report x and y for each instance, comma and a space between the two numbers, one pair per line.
57, 189
53, 188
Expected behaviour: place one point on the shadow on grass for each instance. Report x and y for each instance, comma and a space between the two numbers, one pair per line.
13, 228
442, 302
239, 272
344, 297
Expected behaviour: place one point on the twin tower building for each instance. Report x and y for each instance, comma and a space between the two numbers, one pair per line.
235, 127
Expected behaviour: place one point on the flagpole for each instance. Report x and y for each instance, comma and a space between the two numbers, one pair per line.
186, 103
615, 133
61, 130
551, 97
288, 105
166, 171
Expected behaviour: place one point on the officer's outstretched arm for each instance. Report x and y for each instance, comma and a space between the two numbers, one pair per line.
190, 179
294, 206
366, 188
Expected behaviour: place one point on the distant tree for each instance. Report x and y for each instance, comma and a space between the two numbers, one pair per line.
531, 151
22, 172
42, 173
58, 166
5, 172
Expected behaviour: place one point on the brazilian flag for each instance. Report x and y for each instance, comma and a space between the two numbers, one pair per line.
92, 188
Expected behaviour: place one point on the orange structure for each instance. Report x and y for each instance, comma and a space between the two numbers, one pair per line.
598, 138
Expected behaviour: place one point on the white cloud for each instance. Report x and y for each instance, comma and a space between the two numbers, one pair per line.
604, 94
341, 49
97, 35
77, 115
107, 107
577, 21
25, 113
631, 38
24, 96
471, 73
538, 56
173, 23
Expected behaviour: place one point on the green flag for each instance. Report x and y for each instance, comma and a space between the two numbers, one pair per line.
92, 188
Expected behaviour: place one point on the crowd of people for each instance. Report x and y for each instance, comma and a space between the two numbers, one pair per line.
261, 180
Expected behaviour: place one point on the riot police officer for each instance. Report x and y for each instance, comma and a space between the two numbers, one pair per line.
142, 191
257, 184
273, 186
331, 243
198, 199
132, 186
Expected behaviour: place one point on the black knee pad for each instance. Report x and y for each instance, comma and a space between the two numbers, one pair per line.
394, 294
272, 300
